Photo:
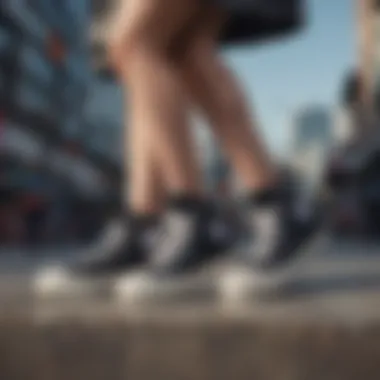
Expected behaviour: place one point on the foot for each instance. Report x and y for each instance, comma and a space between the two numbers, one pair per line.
277, 232
123, 245
120, 247
191, 238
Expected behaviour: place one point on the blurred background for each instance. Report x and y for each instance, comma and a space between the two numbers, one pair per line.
317, 97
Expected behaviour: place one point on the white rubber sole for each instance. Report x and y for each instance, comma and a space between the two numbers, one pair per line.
56, 283
239, 283
140, 288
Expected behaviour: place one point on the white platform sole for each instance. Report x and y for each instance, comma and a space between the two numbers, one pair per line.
57, 283
239, 283
140, 288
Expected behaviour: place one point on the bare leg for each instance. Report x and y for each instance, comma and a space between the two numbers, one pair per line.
219, 95
158, 104
278, 232
145, 189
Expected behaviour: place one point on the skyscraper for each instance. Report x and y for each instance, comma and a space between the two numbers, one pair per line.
312, 124
45, 80
44, 62
312, 140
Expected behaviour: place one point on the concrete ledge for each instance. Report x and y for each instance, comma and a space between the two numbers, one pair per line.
326, 328
106, 342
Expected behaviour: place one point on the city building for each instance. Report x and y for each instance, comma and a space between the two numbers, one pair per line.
45, 82
105, 113
56, 161
44, 60
312, 141
312, 124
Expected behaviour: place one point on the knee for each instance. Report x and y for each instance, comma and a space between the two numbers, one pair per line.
134, 43
125, 46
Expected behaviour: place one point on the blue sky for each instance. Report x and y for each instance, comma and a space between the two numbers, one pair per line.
306, 69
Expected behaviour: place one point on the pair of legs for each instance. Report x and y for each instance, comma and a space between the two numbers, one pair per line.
166, 52
166, 55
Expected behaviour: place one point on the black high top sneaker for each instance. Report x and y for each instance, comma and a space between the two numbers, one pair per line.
279, 227
193, 236
224, 228
124, 244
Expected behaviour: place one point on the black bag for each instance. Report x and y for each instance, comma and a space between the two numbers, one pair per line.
258, 20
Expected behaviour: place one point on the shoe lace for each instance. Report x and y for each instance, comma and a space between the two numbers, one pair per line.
266, 224
171, 237
114, 235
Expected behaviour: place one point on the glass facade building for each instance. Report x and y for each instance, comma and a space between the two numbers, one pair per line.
46, 85
45, 60
57, 174
312, 142
312, 124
